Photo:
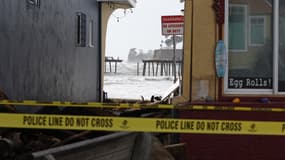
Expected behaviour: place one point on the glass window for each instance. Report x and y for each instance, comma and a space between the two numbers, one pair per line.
237, 28
257, 30
81, 29
250, 49
91, 34
281, 66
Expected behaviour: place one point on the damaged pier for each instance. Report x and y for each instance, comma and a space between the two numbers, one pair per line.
112, 62
165, 67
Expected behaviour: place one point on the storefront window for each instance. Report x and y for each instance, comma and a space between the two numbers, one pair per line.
237, 25
257, 30
250, 46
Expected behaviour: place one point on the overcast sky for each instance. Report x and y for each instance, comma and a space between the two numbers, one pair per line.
140, 29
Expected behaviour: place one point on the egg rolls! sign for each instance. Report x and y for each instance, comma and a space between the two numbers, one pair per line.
250, 83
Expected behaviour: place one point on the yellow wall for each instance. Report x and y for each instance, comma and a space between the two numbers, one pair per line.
200, 36
204, 40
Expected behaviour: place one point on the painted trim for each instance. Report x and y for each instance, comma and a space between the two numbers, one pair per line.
91, 34
226, 37
275, 45
132, 3
229, 92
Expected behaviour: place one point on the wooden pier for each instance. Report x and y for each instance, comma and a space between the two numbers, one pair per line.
161, 67
112, 62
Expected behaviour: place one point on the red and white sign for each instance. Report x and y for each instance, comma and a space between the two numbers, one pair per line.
172, 25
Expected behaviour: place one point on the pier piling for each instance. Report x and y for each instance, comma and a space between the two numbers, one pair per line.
110, 61
166, 67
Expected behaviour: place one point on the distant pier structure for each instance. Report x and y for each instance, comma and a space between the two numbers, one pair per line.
162, 63
161, 67
112, 62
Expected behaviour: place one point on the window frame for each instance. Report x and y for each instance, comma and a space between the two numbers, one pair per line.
91, 34
81, 29
275, 38
264, 30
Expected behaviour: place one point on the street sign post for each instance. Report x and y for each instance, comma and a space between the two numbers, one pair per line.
172, 25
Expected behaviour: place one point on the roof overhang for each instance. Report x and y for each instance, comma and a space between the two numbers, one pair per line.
131, 3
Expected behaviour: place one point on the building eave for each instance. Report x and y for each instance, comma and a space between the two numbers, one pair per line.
129, 3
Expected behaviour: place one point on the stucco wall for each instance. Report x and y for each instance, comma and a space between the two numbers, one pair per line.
204, 39
200, 36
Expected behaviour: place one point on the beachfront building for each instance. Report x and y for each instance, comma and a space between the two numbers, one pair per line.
253, 65
53, 50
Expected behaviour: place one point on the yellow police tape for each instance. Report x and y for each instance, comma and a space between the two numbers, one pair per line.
138, 106
192, 126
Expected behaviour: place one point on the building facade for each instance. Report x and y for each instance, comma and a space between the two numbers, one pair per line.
252, 31
53, 50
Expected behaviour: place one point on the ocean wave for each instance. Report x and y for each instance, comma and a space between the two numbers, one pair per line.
126, 84
127, 68
159, 78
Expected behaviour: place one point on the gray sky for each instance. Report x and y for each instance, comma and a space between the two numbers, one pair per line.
140, 29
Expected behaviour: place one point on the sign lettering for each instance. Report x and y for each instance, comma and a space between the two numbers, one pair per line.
172, 25
249, 83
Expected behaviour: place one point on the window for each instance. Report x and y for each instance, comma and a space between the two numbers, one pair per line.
249, 40
257, 30
237, 28
91, 34
81, 29
281, 47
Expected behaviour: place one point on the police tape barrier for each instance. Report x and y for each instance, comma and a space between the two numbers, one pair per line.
138, 106
192, 126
